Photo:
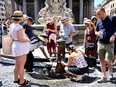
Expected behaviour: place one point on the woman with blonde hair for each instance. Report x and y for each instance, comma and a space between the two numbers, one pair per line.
90, 38
80, 66
20, 47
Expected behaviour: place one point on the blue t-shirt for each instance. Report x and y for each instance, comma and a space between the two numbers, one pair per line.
67, 30
107, 26
28, 30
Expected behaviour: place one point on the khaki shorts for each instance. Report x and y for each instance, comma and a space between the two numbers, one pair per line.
105, 51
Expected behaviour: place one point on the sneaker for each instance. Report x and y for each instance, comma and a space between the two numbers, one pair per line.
102, 80
110, 74
78, 78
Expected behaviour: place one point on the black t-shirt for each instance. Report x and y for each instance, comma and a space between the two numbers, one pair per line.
108, 28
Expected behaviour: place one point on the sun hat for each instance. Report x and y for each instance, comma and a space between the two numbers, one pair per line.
64, 19
43, 37
17, 15
25, 16
49, 20
87, 21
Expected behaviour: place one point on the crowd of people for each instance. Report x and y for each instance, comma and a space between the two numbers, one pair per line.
99, 43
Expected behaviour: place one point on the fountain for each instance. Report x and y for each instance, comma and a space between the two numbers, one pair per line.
55, 8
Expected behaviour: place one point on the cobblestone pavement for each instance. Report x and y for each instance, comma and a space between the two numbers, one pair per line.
38, 79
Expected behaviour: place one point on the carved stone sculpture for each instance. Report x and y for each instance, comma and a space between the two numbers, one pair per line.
55, 8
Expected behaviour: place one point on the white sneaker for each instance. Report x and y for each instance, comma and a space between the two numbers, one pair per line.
110, 74
78, 78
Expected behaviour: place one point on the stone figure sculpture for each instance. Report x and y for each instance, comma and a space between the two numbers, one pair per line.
55, 8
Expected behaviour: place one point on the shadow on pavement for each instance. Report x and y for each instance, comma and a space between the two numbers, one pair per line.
34, 85
50, 76
87, 79
38, 85
113, 80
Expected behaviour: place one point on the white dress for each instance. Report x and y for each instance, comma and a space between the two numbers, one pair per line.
18, 48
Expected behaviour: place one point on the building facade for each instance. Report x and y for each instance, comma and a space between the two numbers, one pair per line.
2, 11
80, 8
109, 6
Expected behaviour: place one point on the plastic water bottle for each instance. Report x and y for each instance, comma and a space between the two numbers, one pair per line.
64, 37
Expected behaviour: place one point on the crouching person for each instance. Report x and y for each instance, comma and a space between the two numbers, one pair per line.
80, 66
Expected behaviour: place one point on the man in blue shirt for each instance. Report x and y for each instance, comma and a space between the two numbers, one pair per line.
28, 31
30, 58
67, 31
105, 29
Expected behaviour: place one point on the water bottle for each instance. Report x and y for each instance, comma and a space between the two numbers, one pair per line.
64, 37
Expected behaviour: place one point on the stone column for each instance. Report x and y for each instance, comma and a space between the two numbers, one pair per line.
13, 6
70, 4
81, 11
24, 7
36, 10
91, 8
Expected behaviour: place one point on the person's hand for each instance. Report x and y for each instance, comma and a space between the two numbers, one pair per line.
112, 38
67, 37
47, 29
100, 33
62, 62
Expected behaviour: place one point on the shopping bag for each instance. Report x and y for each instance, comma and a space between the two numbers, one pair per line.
7, 41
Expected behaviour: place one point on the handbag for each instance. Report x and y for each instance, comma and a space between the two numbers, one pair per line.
7, 41
90, 46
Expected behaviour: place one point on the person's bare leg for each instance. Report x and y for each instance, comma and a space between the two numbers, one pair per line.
45, 54
21, 62
16, 71
109, 65
103, 67
66, 69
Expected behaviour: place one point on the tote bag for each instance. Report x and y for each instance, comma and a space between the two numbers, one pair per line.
7, 41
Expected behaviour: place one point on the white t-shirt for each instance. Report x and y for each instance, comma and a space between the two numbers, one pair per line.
80, 61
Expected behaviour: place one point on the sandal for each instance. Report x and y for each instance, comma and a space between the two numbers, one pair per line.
17, 81
25, 82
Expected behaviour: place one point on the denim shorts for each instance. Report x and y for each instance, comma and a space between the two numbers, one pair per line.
78, 71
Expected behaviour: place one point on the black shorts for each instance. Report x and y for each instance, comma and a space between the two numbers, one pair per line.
78, 71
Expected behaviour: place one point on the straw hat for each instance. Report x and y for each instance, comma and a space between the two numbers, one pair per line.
17, 15
25, 16
43, 38
87, 21
52, 37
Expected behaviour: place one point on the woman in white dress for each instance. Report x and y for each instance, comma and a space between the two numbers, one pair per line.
20, 47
